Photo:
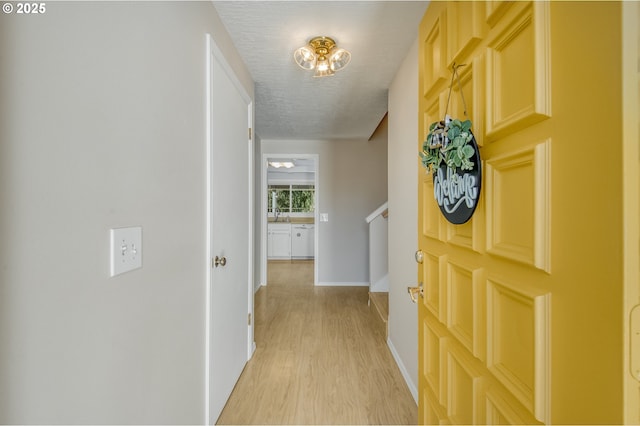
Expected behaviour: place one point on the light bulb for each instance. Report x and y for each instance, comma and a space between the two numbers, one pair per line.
322, 64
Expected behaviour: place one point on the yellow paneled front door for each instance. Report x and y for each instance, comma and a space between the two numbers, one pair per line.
521, 316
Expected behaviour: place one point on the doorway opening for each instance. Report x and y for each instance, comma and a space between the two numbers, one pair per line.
290, 205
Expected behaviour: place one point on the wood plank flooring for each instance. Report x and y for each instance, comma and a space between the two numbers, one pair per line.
320, 359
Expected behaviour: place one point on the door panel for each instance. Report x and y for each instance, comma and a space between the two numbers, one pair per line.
522, 300
518, 61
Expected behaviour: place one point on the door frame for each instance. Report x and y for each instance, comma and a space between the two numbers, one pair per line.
631, 194
212, 50
264, 212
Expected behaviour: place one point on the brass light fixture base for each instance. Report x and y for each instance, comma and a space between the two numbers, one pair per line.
322, 45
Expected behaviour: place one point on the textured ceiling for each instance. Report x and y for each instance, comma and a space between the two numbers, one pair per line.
290, 103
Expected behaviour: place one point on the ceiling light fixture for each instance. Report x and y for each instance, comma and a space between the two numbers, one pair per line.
285, 164
322, 54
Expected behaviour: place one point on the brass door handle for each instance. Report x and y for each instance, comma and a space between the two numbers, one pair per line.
419, 256
219, 261
415, 291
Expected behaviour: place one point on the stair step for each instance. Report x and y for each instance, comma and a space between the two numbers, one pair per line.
380, 301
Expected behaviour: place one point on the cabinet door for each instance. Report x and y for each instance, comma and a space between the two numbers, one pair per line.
269, 244
280, 245
310, 241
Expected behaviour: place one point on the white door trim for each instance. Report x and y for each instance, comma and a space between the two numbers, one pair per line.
212, 50
631, 204
264, 212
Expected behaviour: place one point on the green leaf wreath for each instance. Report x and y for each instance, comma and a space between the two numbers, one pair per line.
448, 141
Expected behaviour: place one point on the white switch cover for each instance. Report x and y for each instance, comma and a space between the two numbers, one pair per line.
126, 249
324, 217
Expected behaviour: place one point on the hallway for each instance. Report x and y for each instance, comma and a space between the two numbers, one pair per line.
319, 360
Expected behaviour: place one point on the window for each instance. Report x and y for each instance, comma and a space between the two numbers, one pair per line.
292, 198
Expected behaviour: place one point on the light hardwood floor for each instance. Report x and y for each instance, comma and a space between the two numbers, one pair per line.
320, 358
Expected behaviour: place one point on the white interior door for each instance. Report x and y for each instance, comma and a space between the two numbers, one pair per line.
229, 232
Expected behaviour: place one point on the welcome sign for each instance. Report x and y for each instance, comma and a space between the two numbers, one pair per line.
457, 191
451, 153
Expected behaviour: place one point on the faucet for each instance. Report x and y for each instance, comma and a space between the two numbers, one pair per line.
277, 213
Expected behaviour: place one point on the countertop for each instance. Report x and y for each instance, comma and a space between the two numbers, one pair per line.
293, 220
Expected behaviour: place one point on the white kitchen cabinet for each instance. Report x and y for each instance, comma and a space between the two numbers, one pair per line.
302, 241
279, 241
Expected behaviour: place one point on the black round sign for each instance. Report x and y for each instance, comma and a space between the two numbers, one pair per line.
457, 191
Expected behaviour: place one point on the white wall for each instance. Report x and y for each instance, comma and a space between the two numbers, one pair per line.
353, 183
102, 124
403, 219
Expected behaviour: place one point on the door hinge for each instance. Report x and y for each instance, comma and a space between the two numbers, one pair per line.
249, 133
249, 319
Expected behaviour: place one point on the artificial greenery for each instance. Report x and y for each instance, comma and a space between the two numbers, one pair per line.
448, 142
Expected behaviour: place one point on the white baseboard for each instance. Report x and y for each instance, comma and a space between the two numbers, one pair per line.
412, 387
340, 284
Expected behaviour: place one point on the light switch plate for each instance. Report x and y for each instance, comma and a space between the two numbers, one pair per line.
126, 249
